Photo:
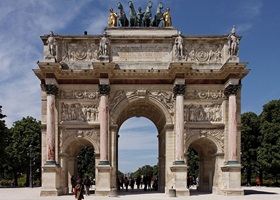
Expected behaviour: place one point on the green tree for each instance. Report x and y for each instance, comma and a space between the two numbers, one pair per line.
249, 144
24, 144
86, 162
193, 163
269, 150
3, 142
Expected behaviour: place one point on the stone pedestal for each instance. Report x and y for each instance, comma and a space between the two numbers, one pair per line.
180, 179
232, 180
103, 183
50, 180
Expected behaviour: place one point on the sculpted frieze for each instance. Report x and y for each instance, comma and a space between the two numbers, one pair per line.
165, 97
205, 94
203, 113
196, 52
72, 52
79, 112
78, 94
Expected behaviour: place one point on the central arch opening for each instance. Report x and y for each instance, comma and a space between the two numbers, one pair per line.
138, 154
138, 144
141, 142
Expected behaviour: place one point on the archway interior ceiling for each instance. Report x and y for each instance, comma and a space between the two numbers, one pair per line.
204, 147
142, 108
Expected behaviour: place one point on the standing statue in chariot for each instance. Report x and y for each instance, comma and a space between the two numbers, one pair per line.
167, 18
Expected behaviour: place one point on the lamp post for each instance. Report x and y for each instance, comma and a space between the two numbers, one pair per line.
30, 167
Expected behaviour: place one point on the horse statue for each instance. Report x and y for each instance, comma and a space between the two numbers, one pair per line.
158, 16
122, 17
132, 15
147, 15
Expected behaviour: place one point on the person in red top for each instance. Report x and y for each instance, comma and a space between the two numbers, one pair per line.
258, 182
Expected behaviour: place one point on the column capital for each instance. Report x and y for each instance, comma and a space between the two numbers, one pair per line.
179, 89
232, 89
51, 89
104, 89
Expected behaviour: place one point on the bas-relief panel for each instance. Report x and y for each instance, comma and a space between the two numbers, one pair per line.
206, 111
196, 52
76, 110
72, 52
79, 112
203, 113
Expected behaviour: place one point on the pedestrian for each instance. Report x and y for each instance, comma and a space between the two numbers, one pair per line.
73, 182
258, 182
79, 190
126, 183
87, 183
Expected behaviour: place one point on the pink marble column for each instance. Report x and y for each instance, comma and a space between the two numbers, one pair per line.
179, 91
104, 91
231, 91
51, 92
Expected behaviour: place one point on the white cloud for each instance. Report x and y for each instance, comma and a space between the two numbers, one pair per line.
22, 23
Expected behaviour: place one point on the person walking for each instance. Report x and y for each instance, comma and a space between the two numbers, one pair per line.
87, 184
79, 190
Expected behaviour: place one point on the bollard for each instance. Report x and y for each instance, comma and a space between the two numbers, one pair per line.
113, 192
172, 192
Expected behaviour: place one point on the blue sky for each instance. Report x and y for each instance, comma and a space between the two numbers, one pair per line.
22, 22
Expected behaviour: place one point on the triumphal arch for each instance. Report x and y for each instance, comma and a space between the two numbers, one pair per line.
189, 86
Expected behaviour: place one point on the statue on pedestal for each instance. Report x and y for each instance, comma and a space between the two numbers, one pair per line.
112, 19
179, 46
233, 42
167, 18
51, 44
103, 48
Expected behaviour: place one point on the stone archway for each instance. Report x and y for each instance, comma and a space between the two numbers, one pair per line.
194, 95
209, 146
152, 109
70, 148
206, 149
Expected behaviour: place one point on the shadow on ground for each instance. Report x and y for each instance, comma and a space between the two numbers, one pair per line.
251, 191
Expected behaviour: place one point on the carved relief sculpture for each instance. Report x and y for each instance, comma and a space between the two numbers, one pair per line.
78, 94
205, 94
72, 52
203, 113
79, 112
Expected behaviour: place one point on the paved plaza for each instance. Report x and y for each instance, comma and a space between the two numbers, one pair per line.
262, 193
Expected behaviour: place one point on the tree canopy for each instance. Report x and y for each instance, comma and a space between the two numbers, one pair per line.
269, 149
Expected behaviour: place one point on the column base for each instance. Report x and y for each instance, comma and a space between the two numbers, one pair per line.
232, 180
180, 179
104, 162
103, 182
50, 180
